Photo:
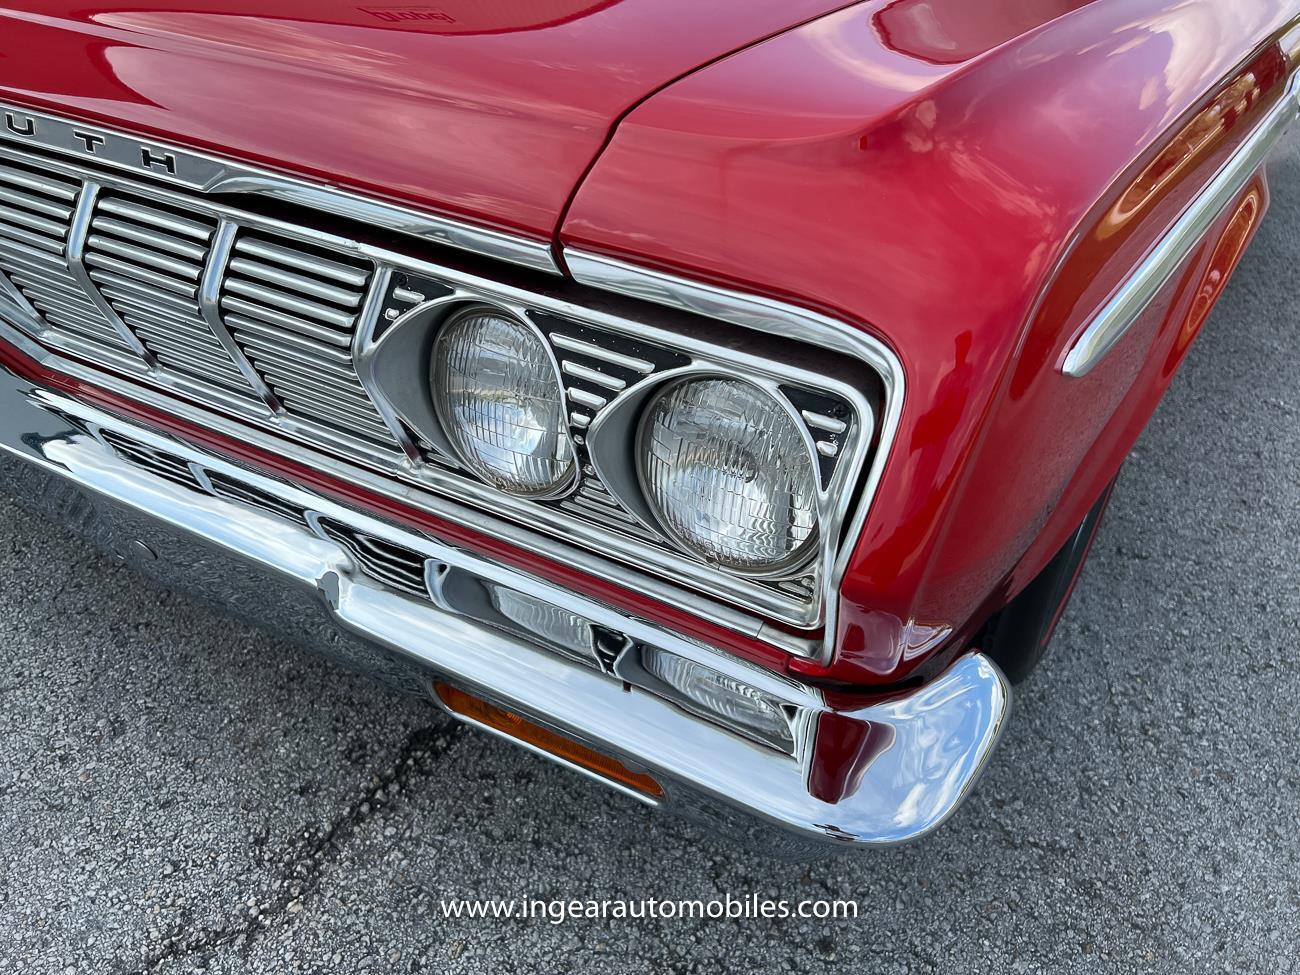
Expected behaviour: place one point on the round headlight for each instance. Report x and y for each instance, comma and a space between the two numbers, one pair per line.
726, 471
500, 402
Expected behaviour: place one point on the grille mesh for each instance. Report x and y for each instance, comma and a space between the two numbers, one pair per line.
148, 261
294, 313
35, 215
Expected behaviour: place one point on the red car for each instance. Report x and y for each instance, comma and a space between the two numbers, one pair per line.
718, 399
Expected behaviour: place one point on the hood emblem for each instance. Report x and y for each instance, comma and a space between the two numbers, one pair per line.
83, 140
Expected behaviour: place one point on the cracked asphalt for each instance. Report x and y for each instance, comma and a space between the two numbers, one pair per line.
179, 792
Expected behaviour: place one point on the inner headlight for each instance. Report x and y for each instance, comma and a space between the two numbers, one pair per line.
728, 475
500, 402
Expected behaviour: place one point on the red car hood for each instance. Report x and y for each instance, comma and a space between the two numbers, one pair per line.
490, 109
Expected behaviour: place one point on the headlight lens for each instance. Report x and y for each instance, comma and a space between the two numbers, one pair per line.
726, 471
500, 402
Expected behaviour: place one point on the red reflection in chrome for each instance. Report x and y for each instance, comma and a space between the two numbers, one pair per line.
1227, 255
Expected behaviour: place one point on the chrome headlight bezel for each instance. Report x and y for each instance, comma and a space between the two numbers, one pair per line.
603, 414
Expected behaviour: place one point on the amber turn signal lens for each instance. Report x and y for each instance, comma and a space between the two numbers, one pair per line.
508, 723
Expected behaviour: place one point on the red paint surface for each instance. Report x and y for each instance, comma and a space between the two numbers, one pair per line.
843, 750
492, 109
934, 204
958, 179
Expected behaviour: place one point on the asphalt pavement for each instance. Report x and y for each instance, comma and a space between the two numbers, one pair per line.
179, 792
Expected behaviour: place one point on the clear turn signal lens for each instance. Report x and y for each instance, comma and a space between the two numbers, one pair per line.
550, 625
716, 696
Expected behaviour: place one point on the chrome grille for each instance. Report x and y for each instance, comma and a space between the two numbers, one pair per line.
596, 367
266, 328
147, 262
394, 566
593, 501
594, 373
294, 312
36, 210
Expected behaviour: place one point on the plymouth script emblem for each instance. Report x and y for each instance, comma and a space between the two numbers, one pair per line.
89, 142
211, 175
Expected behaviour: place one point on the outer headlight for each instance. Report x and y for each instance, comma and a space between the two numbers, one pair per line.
726, 470
500, 402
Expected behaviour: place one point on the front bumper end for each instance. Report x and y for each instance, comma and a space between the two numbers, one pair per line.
286, 559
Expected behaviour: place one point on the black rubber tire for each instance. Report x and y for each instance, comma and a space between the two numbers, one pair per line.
1017, 637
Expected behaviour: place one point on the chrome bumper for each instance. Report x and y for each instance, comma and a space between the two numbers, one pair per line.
153, 501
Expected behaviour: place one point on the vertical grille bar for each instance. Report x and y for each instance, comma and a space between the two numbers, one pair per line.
210, 305
78, 233
363, 343
295, 309
36, 210
149, 260
10, 292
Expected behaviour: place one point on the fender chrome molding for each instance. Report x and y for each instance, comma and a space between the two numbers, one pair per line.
214, 176
256, 545
1117, 316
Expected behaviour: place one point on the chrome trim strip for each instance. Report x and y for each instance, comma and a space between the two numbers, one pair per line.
739, 308
212, 175
210, 306
75, 251
938, 738
777, 318
1117, 316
